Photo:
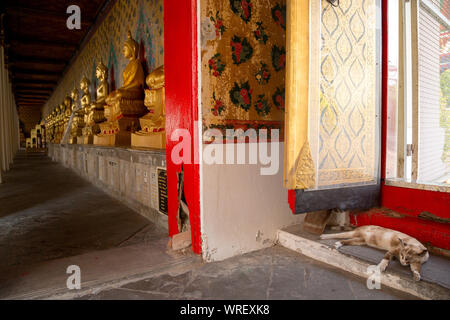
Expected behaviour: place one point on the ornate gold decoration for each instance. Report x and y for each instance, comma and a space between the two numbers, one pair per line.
305, 174
153, 132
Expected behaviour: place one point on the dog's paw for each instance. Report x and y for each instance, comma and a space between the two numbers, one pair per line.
337, 245
416, 276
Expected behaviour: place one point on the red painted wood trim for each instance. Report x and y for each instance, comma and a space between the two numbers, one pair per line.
291, 199
428, 232
413, 202
180, 56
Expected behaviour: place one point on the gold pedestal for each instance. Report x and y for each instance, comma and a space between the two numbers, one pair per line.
118, 132
154, 140
88, 139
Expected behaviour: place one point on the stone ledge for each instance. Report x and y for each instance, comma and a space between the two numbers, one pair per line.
326, 254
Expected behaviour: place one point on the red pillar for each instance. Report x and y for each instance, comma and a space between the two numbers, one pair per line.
180, 60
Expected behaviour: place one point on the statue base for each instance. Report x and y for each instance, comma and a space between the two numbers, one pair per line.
116, 133
88, 139
153, 140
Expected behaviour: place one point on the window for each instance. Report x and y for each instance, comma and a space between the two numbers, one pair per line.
418, 141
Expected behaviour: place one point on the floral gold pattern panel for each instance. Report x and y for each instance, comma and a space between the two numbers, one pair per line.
348, 82
145, 20
243, 64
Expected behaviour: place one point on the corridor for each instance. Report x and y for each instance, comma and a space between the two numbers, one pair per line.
48, 212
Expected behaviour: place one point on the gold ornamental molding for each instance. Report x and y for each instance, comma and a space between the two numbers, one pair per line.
299, 172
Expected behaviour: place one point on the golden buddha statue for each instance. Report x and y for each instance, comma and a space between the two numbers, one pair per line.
62, 118
125, 105
57, 124
53, 125
96, 114
67, 113
86, 111
77, 124
153, 124
50, 127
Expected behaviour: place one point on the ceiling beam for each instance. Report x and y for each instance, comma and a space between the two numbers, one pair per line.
38, 60
35, 72
27, 82
48, 15
37, 99
36, 43
30, 76
36, 90
22, 85
32, 95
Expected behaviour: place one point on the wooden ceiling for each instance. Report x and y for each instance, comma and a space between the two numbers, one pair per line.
38, 44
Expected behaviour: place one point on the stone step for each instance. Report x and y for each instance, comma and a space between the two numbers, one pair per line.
435, 284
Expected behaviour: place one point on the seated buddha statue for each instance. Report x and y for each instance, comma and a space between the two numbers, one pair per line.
84, 111
75, 129
67, 113
97, 110
58, 124
152, 133
133, 75
125, 105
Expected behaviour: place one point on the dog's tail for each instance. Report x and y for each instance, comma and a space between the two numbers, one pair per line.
344, 235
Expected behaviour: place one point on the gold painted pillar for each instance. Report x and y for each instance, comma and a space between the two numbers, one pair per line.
299, 170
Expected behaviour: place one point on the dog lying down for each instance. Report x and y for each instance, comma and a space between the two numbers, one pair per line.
408, 250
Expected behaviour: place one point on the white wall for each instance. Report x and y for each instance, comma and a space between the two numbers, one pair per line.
241, 209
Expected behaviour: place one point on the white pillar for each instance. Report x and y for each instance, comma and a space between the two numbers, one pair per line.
9, 120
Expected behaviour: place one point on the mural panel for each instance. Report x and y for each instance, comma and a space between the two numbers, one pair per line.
243, 63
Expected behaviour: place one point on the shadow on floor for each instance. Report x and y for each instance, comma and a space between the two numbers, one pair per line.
48, 212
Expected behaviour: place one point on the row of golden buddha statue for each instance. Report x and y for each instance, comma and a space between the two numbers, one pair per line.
128, 116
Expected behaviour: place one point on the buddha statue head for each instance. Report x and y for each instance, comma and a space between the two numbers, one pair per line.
154, 98
84, 85
155, 80
67, 102
74, 95
130, 48
101, 72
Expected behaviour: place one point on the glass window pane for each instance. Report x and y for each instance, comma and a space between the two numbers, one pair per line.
434, 93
